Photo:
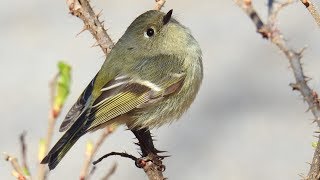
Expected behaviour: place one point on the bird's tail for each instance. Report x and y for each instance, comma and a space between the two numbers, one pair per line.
64, 144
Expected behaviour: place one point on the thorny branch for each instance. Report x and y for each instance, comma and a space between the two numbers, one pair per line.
83, 10
312, 9
271, 32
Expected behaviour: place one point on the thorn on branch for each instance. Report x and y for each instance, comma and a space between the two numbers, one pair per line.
83, 29
307, 79
99, 14
83, 10
295, 87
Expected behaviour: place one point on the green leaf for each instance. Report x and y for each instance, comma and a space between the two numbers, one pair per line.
62, 88
26, 171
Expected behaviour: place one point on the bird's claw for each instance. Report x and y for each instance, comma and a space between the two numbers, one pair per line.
142, 162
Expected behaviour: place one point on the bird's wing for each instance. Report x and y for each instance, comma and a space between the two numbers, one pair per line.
121, 95
78, 108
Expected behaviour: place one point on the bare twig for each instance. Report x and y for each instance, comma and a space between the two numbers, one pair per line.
159, 4
52, 116
83, 10
110, 172
24, 154
89, 155
312, 9
270, 32
17, 170
125, 155
42, 170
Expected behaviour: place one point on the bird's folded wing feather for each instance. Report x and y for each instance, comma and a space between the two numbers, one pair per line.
78, 108
121, 96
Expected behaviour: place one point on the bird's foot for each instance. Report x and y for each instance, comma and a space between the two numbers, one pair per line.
151, 158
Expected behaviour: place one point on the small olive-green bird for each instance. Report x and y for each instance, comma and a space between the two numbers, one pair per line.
150, 78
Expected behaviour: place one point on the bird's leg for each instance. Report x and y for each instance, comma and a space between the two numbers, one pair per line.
149, 152
145, 141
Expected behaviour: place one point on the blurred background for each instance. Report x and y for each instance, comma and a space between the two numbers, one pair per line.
245, 124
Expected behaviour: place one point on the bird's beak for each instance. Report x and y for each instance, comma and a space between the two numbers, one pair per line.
167, 17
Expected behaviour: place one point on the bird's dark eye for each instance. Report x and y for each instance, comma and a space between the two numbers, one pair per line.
150, 32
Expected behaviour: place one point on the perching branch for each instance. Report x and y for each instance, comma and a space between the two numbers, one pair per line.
312, 9
153, 167
271, 32
150, 161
